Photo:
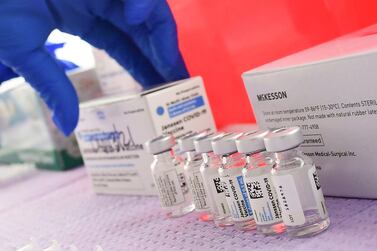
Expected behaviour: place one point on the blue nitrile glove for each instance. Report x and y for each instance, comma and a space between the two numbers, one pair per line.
52, 47
7, 73
139, 34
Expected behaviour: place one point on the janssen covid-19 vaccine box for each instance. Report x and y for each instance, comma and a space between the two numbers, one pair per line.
330, 91
112, 130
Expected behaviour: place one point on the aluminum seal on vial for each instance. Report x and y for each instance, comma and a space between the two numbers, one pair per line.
160, 144
186, 143
284, 138
251, 142
225, 144
203, 143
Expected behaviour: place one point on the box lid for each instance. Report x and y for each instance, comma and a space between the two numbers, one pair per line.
126, 96
352, 45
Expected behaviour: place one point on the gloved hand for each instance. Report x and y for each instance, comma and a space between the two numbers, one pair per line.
6, 73
139, 34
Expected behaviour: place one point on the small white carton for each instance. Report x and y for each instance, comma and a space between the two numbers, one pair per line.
330, 91
112, 131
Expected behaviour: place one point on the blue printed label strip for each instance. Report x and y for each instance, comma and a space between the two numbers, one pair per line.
99, 136
244, 194
185, 106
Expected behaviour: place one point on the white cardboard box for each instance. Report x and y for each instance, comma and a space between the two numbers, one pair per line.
112, 131
330, 91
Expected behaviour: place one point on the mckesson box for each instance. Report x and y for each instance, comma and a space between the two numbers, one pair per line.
330, 91
112, 131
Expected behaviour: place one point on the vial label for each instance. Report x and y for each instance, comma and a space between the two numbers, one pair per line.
182, 179
317, 190
291, 208
237, 197
263, 199
217, 189
169, 185
198, 191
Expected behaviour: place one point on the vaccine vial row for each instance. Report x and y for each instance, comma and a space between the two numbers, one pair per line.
256, 180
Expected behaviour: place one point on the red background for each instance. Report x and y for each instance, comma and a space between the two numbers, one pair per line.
221, 39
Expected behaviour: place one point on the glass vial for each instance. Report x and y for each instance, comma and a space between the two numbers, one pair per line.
169, 178
296, 182
230, 171
215, 188
195, 180
257, 177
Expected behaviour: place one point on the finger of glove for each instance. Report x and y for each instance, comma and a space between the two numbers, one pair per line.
163, 35
6, 73
46, 76
156, 38
119, 46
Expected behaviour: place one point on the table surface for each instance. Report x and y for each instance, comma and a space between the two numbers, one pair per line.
61, 206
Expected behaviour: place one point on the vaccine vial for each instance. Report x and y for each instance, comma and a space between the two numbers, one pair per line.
230, 171
195, 180
257, 177
297, 185
215, 188
169, 177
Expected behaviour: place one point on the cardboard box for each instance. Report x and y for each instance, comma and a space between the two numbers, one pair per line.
27, 133
330, 91
112, 131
